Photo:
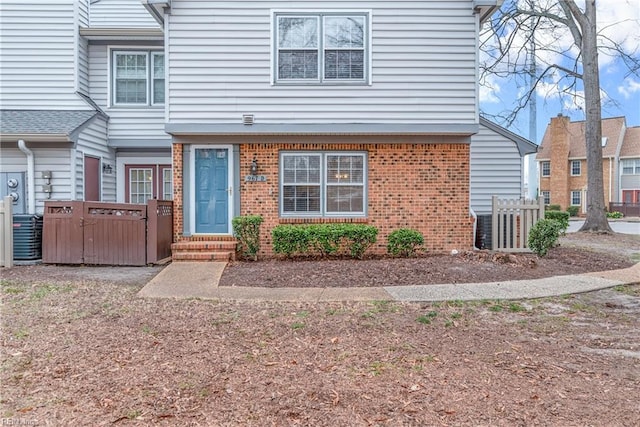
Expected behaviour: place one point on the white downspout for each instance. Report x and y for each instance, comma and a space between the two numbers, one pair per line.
31, 177
611, 181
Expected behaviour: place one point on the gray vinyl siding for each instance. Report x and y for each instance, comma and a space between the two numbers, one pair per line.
38, 44
629, 182
120, 13
423, 65
495, 169
57, 161
125, 123
83, 48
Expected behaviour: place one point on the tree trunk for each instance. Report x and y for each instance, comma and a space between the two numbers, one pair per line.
596, 220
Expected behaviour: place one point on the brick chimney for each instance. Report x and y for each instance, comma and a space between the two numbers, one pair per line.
560, 161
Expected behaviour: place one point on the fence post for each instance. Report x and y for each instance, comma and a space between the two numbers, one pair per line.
541, 208
494, 222
6, 232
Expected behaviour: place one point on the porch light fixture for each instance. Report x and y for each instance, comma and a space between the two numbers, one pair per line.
254, 166
107, 169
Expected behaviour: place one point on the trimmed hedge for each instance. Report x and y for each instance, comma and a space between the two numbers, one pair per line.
573, 210
323, 239
404, 242
561, 217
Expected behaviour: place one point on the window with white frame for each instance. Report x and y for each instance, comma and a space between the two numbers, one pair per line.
576, 198
576, 167
321, 47
138, 78
546, 197
631, 167
545, 168
148, 181
323, 183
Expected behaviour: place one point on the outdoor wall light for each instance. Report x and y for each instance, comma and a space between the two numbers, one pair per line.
106, 168
254, 166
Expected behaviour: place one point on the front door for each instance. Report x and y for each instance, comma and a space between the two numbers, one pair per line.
212, 190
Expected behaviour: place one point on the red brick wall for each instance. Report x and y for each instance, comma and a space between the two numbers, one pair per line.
177, 191
424, 187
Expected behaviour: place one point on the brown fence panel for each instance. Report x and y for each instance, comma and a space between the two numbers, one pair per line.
159, 230
62, 232
114, 233
627, 209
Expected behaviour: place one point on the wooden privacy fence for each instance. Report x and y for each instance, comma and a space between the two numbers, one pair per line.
107, 233
627, 209
6, 232
511, 222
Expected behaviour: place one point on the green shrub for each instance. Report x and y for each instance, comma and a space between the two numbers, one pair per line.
404, 242
247, 230
573, 210
552, 207
615, 215
323, 239
561, 217
544, 235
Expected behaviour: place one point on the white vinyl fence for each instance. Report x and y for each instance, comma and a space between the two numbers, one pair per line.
6, 232
511, 222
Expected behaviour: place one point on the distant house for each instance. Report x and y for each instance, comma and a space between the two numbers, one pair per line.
497, 165
563, 167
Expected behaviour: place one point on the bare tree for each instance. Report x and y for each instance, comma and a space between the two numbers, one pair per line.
508, 40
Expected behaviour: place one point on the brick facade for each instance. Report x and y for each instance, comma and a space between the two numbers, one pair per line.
420, 186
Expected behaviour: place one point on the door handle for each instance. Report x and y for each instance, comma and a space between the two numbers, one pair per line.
230, 190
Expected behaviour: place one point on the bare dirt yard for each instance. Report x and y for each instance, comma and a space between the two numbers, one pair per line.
80, 348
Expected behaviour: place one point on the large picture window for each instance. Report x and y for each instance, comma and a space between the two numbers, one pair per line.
138, 78
323, 184
321, 48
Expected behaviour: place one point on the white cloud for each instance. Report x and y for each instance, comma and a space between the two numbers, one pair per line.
489, 88
628, 88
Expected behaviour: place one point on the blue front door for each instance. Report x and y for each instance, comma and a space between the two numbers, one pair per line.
212, 190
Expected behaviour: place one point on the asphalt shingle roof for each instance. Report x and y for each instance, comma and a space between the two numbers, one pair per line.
43, 122
631, 144
611, 129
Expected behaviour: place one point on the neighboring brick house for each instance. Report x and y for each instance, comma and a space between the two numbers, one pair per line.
563, 165
309, 112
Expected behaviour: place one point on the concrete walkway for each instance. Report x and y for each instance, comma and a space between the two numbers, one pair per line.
200, 280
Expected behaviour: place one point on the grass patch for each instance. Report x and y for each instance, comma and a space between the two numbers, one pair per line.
297, 326
515, 307
426, 318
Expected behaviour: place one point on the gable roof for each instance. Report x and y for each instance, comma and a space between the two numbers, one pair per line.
631, 143
50, 125
612, 130
524, 145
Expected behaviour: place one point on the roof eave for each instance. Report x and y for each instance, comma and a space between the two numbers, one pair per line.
36, 137
114, 33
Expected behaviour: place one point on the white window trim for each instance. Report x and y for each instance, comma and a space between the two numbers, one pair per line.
122, 162
139, 50
579, 167
542, 168
579, 192
323, 185
368, 63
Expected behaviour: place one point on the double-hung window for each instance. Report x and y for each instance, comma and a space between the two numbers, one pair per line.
576, 198
321, 48
138, 78
323, 184
576, 169
631, 167
546, 197
545, 168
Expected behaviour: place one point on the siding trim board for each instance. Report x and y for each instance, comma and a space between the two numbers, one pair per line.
321, 129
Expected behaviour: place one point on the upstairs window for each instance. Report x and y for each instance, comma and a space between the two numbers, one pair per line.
545, 168
321, 48
576, 168
138, 78
631, 167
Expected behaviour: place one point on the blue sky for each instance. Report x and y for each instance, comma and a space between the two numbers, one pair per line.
618, 20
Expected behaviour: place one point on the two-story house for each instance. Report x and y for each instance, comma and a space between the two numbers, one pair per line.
82, 101
315, 111
563, 164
